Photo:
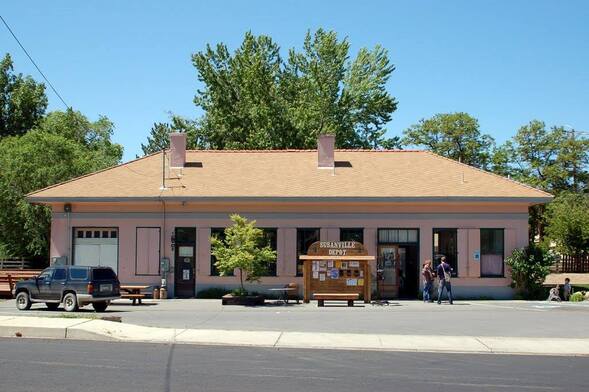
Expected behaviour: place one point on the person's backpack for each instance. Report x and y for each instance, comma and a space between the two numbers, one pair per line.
447, 275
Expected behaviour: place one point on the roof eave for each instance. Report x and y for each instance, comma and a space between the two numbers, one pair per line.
485, 199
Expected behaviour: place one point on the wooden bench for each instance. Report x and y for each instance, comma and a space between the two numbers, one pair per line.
322, 297
133, 297
8, 279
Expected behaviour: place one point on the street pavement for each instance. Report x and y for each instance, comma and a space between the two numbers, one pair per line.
51, 366
479, 318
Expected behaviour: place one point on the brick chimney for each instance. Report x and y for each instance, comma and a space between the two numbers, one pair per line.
177, 149
325, 151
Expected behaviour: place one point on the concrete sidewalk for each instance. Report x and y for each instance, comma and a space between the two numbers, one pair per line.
100, 330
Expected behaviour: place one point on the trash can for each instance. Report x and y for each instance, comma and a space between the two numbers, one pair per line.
156, 293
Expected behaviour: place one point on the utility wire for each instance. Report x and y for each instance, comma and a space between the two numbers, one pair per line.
33, 61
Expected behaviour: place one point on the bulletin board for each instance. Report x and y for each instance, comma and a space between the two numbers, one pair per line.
337, 267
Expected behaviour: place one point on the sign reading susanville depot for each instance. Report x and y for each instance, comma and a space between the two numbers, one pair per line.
337, 248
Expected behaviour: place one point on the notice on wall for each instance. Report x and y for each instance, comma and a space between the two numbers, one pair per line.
186, 274
321, 277
352, 282
334, 273
354, 264
360, 282
315, 274
476, 255
330, 264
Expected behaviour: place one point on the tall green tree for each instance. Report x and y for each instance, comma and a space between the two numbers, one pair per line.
551, 159
63, 146
254, 98
453, 135
22, 100
567, 219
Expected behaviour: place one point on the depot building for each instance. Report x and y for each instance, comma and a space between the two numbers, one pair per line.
403, 206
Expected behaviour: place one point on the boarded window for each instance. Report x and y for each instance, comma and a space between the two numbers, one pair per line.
148, 251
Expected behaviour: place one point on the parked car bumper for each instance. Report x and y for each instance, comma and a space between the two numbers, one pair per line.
84, 299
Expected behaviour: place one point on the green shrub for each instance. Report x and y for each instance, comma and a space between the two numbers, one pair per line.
529, 267
577, 297
212, 293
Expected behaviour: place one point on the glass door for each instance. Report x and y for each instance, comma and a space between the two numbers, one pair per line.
388, 264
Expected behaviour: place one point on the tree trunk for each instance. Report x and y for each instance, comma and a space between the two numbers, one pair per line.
241, 280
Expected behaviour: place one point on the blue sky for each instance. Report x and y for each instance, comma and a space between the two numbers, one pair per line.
504, 62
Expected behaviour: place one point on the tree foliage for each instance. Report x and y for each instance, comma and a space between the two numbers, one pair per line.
550, 159
453, 135
242, 249
63, 146
568, 223
22, 100
254, 98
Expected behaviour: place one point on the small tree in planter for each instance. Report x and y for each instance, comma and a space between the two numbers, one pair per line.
242, 249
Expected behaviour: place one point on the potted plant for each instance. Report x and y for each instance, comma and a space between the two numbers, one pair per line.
243, 250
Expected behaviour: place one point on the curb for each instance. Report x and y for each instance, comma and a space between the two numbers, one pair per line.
100, 330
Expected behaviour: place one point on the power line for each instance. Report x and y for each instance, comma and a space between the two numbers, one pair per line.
35, 64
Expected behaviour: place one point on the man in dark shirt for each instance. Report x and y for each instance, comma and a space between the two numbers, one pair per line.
444, 274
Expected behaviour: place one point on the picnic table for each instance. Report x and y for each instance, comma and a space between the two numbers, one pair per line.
133, 292
284, 292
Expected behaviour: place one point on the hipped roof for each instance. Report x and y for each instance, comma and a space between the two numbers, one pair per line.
293, 174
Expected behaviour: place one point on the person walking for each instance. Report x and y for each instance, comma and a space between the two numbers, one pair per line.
428, 281
444, 275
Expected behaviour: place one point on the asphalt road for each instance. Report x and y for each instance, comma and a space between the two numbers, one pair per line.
479, 318
31, 365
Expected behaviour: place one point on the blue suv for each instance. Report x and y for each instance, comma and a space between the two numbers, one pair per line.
72, 286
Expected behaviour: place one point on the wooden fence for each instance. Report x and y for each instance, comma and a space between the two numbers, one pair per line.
15, 264
573, 264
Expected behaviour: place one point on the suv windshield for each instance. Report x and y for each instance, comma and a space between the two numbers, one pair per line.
103, 274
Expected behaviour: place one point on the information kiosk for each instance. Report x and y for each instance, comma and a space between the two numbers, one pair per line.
337, 267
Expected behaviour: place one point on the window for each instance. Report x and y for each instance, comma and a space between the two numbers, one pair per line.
305, 237
270, 237
104, 233
59, 274
352, 235
103, 274
147, 251
220, 234
46, 275
78, 273
492, 246
445, 244
398, 236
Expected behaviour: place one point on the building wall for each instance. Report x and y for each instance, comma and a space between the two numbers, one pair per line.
468, 221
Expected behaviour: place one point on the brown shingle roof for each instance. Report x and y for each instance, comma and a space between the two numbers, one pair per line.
294, 174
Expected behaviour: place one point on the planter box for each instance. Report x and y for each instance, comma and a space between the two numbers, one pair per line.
249, 300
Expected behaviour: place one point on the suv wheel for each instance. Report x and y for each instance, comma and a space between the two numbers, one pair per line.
51, 305
70, 302
100, 306
23, 301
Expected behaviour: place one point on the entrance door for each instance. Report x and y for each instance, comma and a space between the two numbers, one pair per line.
184, 264
409, 271
388, 263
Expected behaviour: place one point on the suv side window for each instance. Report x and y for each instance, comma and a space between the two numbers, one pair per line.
46, 275
59, 274
79, 273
